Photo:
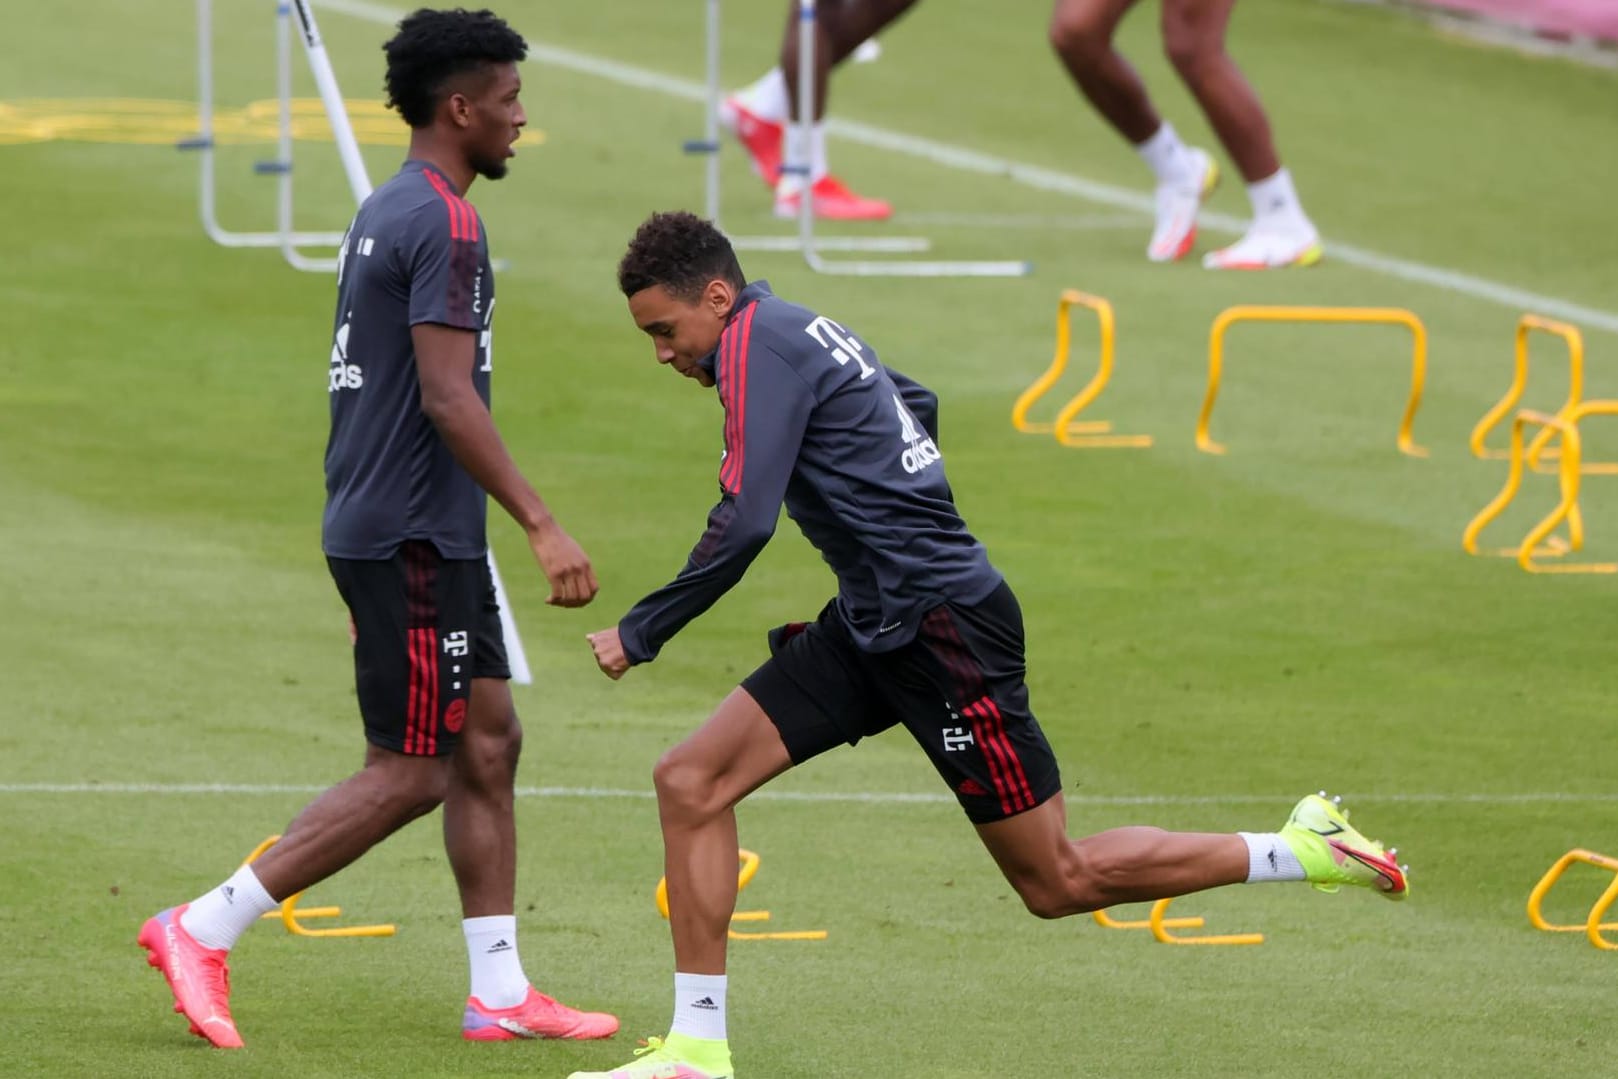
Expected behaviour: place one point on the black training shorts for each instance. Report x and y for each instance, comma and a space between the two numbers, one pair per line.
427, 626
957, 687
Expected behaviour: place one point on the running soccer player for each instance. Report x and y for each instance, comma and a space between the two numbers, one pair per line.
923, 632
412, 455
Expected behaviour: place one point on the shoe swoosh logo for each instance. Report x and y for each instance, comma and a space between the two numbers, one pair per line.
1383, 867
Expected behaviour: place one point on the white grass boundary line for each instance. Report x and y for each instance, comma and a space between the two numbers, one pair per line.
1030, 222
967, 160
845, 797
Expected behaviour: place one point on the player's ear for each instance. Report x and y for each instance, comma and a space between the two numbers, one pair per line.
459, 109
719, 296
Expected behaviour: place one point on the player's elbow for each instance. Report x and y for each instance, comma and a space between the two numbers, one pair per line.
440, 402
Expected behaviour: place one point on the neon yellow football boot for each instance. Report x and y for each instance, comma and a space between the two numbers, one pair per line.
1334, 853
674, 1057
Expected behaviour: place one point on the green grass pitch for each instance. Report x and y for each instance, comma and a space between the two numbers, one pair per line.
1209, 638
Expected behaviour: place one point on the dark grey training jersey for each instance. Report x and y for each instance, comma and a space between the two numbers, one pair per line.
813, 419
415, 253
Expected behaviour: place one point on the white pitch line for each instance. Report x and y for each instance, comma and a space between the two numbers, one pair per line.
1043, 179
845, 797
1010, 222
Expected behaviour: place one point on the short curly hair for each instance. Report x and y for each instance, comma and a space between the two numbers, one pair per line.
433, 47
680, 251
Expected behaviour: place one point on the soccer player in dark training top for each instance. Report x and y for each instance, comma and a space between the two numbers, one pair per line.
923, 632
413, 453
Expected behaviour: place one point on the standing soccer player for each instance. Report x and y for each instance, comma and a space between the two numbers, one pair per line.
923, 631
412, 454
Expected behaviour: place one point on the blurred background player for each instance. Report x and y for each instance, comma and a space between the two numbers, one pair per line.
412, 457
760, 115
1194, 39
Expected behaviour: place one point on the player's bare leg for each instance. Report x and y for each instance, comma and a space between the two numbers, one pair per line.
836, 23
190, 943
1057, 876
480, 837
698, 785
480, 832
758, 114
1282, 235
390, 791
1081, 32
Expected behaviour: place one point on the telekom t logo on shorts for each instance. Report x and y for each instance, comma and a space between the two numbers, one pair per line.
956, 739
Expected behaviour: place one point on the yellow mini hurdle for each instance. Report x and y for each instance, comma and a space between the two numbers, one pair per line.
1592, 927
291, 916
749, 863
1574, 341
1160, 923
1540, 543
1067, 429
1373, 315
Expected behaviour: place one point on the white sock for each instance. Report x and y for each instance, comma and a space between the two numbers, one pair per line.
767, 98
491, 946
224, 914
1169, 159
1270, 858
1275, 202
699, 1006
798, 150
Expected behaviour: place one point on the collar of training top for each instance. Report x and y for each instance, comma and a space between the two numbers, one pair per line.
752, 293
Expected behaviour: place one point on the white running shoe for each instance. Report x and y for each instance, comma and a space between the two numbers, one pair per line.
1269, 245
1177, 205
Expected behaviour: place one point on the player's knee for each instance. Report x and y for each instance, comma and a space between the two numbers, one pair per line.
502, 745
487, 754
1078, 882
413, 786
1047, 901
1078, 33
1190, 49
684, 786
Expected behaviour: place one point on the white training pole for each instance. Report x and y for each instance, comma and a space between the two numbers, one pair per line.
348, 148
710, 131
203, 143
520, 672
284, 165
806, 211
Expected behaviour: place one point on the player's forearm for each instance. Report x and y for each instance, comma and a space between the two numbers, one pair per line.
655, 620
466, 427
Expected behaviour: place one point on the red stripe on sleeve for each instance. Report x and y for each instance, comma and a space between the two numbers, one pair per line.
727, 378
457, 208
736, 402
